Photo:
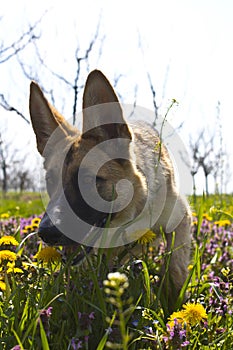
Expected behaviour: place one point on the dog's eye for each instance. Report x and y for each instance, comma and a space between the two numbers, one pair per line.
91, 180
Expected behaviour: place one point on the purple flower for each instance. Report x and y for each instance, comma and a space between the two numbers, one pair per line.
92, 315
176, 335
47, 312
76, 344
44, 317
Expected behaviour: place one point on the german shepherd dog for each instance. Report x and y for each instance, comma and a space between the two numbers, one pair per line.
111, 182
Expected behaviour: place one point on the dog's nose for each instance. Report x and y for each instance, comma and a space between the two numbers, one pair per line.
48, 232
51, 234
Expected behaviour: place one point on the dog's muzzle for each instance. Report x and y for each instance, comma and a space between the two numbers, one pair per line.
50, 233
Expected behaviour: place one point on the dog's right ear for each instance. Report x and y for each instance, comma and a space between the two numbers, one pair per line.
43, 117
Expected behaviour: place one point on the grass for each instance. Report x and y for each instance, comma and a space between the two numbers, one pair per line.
49, 304
24, 205
222, 202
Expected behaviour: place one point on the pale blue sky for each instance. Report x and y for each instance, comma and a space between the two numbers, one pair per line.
187, 43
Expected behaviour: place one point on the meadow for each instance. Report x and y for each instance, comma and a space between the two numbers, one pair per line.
46, 302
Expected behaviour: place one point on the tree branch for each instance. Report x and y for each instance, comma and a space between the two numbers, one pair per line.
9, 108
26, 38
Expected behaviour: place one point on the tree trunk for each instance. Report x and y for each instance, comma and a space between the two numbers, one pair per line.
206, 185
194, 189
4, 180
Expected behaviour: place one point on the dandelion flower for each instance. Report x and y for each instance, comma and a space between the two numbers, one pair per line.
222, 223
147, 237
144, 236
48, 255
7, 255
35, 223
178, 316
226, 271
28, 229
207, 217
8, 240
5, 215
2, 286
194, 313
13, 269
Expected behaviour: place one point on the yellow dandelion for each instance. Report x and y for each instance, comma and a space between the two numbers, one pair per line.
35, 223
207, 217
226, 271
147, 237
5, 215
28, 229
2, 286
194, 313
14, 270
222, 223
144, 236
178, 316
8, 240
48, 255
7, 255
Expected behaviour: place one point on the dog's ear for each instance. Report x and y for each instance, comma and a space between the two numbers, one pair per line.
102, 112
45, 119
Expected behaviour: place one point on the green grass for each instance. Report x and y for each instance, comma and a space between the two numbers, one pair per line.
24, 205
223, 202
57, 306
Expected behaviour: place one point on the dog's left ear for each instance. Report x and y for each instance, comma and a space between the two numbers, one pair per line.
45, 119
101, 108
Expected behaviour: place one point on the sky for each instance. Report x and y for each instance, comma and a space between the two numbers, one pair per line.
185, 45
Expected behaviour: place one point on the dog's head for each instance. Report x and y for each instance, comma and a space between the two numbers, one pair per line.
90, 176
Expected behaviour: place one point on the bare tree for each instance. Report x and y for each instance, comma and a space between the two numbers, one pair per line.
82, 59
21, 178
3, 164
206, 154
195, 165
4, 104
7, 156
9, 51
15, 173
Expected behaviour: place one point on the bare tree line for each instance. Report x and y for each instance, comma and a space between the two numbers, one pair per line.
203, 152
209, 156
13, 175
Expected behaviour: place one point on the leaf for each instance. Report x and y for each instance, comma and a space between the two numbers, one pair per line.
44, 340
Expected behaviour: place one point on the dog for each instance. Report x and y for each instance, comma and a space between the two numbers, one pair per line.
111, 182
